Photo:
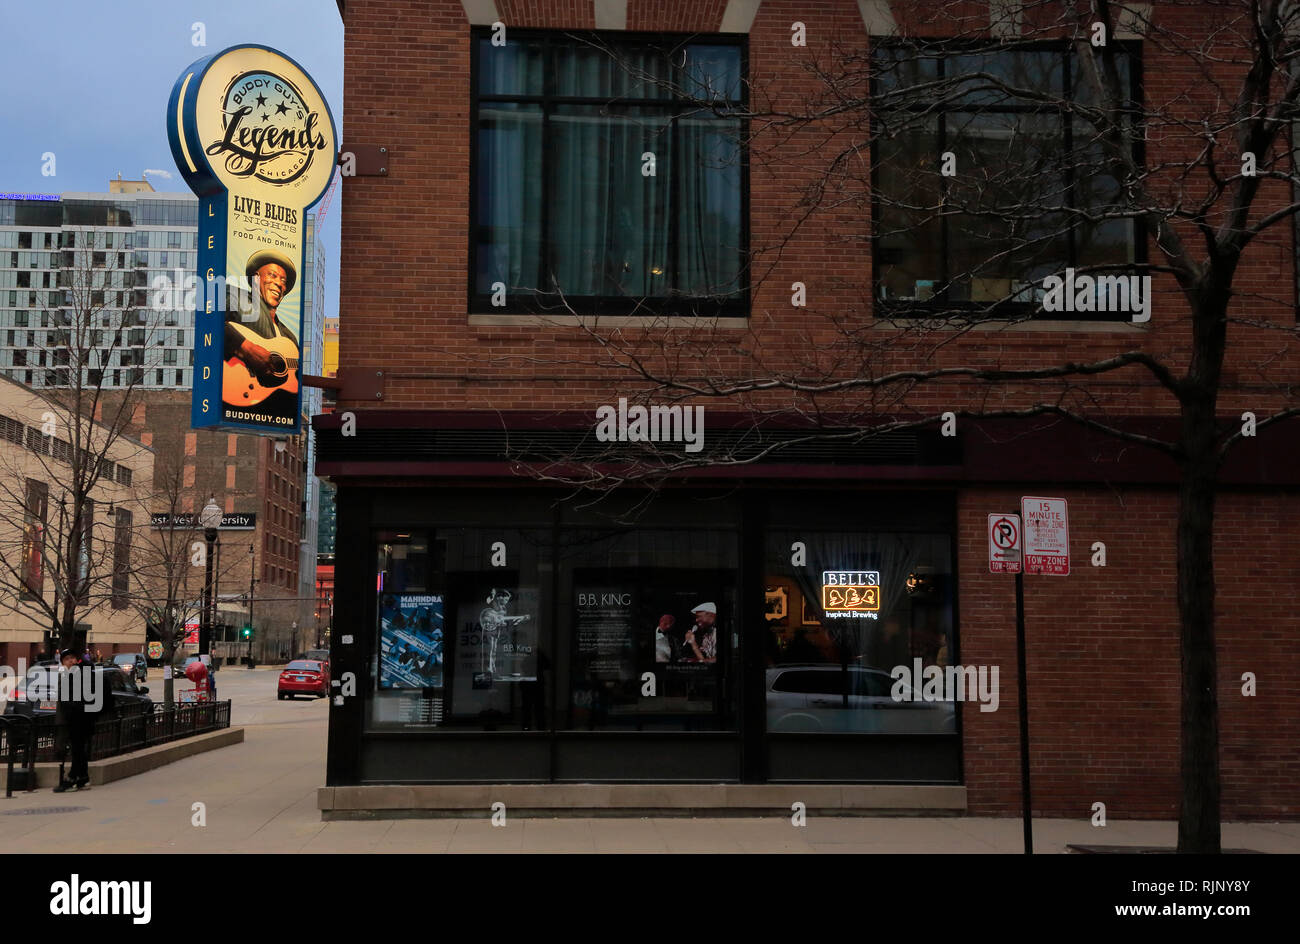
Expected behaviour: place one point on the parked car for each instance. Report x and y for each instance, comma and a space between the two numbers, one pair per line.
820, 697
37, 694
317, 655
133, 664
303, 677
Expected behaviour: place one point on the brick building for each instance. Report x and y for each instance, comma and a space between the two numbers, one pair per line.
508, 628
261, 489
34, 528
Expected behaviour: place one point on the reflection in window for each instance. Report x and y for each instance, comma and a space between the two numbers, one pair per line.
831, 669
1030, 192
651, 616
461, 643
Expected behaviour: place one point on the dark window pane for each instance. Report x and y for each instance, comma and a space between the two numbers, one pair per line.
712, 73
1001, 77
590, 70
509, 196
630, 196
1081, 75
1026, 199
709, 256
608, 226
900, 68
513, 69
1010, 227
908, 196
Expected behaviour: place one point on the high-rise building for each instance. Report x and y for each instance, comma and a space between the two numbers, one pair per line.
313, 316
48, 243
143, 240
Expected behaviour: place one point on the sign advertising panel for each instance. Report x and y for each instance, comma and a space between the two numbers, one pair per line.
1047, 536
1004, 544
851, 593
230, 521
254, 138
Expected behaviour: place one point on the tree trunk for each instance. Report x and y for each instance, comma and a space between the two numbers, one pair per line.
1198, 816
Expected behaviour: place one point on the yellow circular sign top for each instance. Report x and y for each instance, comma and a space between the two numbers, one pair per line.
264, 127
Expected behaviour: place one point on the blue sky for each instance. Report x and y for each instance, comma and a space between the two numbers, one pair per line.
88, 80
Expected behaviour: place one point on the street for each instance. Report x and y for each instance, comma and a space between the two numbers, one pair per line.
260, 796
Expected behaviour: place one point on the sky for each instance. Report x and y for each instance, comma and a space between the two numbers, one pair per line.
88, 80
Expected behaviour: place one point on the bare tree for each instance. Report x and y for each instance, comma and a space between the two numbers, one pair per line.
75, 449
996, 180
169, 562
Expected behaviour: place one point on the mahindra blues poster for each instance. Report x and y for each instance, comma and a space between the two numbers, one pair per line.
410, 641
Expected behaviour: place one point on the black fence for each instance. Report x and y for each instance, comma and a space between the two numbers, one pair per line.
25, 740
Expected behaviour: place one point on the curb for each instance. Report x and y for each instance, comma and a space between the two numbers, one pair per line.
137, 762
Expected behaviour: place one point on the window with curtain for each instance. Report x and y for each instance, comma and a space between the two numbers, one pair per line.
1029, 189
608, 176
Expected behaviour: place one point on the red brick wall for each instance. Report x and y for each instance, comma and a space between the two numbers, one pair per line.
1102, 653
1103, 643
404, 285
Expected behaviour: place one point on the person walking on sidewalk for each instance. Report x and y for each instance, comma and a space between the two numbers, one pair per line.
75, 726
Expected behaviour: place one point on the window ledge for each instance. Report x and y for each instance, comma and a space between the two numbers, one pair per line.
1041, 325
621, 321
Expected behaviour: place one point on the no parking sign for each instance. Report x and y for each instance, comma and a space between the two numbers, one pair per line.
1004, 544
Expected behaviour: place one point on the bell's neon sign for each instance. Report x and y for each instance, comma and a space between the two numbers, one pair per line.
851, 593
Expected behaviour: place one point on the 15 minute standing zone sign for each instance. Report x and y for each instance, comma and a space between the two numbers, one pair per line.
254, 138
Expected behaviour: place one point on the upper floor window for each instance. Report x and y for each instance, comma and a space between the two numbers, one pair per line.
608, 175
990, 176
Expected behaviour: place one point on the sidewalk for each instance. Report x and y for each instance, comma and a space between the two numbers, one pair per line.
260, 796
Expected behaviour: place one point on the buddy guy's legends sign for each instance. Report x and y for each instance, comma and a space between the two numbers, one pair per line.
254, 138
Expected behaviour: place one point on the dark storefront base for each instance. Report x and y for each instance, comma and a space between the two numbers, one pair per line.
579, 757
369, 751
553, 800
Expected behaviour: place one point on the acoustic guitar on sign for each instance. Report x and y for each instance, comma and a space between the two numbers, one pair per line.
242, 387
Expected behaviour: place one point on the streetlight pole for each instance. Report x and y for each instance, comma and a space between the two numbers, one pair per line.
252, 582
210, 519
216, 591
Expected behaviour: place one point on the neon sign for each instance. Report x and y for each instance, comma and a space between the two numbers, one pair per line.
851, 593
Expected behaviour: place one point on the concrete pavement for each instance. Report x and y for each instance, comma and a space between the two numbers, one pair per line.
260, 796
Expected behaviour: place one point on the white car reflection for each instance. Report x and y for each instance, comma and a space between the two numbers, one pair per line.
813, 698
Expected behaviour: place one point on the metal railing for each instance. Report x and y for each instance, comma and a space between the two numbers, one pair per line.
41, 739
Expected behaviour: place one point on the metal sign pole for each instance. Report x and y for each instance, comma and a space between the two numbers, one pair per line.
1025, 804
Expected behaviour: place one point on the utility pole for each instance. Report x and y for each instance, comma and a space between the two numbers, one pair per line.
252, 582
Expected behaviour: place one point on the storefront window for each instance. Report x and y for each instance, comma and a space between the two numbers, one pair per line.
461, 630
845, 614
651, 618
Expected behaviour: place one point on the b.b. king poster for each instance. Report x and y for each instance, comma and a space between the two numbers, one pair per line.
254, 138
497, 637
411, 641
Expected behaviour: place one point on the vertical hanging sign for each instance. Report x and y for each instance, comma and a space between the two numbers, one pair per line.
254, 138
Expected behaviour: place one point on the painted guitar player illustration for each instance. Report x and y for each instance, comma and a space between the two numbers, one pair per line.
261, 353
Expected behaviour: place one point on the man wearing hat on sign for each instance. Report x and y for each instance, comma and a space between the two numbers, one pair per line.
274, 363
702, 640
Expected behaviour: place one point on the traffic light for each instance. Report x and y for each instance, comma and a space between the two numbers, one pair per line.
246, 633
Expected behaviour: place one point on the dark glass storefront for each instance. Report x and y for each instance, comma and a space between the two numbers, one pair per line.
738, 635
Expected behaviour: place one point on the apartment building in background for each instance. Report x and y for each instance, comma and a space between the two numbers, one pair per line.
34, 516
132, 237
